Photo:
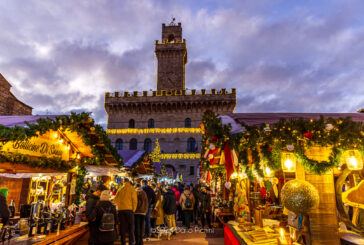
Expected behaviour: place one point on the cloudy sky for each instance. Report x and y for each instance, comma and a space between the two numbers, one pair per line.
282, 56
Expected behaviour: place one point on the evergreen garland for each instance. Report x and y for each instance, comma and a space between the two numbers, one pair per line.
267, 142
80, 123
80, 179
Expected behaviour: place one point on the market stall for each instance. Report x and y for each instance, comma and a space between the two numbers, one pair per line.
278, 171
43, 165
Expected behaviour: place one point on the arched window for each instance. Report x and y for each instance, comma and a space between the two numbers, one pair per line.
151, 123
191, 145
148, 145
133, 144
119, 144
131, 123
187, 122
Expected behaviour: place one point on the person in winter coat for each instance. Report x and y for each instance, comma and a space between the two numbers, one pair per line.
187, 203
91, 200
139, 214
170, 208
4, 209
126, 201
196, 193
104, 205
178, 196
157, 213
151, 204
205, 207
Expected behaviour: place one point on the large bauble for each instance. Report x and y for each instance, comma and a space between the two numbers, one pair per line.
299, 196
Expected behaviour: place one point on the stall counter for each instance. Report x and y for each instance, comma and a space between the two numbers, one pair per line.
64, 236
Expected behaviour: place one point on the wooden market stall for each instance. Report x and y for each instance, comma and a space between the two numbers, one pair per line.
287, 177
43, 162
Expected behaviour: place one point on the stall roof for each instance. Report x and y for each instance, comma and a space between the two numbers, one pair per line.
130, 156
271, 118
12, 121
83, 120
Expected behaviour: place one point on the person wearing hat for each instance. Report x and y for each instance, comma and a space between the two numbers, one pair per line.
103, 205
91, 200
4, 209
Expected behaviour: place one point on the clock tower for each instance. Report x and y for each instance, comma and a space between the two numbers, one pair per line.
172, 58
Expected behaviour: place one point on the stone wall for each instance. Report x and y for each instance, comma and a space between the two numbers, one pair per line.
9, 104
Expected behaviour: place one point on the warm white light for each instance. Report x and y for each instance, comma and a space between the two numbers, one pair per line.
78, 156
353, 162
60, 141
68, 147
288, 164
234, 175
55, 135
282, 233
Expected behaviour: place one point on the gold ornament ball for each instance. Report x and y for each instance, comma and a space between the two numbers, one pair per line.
299, 196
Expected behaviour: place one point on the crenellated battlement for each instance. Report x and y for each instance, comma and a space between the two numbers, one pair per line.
183, 92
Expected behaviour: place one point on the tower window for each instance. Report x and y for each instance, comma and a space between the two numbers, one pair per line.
171, 38
191, 145
192, 170
133, 144
187, 122
148, 145
151, 123
131, 123
119, 144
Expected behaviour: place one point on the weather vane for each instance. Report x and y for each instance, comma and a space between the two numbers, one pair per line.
173, 23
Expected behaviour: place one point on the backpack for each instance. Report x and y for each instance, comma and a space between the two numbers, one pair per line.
107, 222
188, 202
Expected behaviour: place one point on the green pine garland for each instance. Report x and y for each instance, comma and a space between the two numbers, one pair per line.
266, 142
80, 123
80, 180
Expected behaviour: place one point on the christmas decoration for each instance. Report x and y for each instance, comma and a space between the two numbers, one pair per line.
308, 135
340, 134
329, 127
299, 196
79, 123
227, 185
80, 180
290, 147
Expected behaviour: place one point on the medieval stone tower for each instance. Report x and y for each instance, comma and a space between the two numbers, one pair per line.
170, 114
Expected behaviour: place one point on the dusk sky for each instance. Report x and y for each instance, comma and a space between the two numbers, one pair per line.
282, 56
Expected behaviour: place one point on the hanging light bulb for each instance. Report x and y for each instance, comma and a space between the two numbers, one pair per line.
60, 141
55, 135
354, 160
288, 162
268, 172
78, 156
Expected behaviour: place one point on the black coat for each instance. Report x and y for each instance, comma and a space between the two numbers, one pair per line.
97, 236
4, 209
205, 200
169, 202
152, 199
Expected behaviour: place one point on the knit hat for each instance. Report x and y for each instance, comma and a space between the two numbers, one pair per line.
4, 191
105, 195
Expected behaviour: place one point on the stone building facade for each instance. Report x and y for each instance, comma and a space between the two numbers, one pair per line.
9, 104
170, 114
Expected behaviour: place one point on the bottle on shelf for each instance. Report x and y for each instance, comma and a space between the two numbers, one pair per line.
12, 209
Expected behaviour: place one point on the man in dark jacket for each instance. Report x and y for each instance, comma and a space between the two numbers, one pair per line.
4, 209
205, 207
196, 193
152, 199
170, 208
91, 201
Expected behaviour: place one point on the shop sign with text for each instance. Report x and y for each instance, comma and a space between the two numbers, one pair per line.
37, 147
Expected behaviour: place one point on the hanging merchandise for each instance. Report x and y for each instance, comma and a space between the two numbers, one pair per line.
229, 165
299, 196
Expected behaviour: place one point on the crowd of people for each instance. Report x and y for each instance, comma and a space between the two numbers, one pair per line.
143, 209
